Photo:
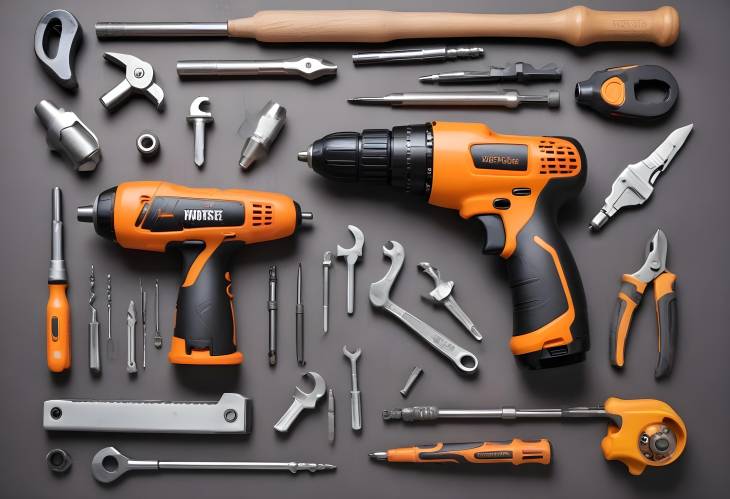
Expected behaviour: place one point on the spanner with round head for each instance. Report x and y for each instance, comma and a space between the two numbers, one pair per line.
351, 256
463, 359
355, 407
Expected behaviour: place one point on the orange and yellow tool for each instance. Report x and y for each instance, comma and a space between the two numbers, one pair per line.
632, 290
58, 312
516, 452
514, 185
641, 432
206, 226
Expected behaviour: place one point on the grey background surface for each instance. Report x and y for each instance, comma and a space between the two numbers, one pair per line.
690, 205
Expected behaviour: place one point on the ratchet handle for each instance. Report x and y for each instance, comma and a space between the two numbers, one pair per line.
666, 314
58, 328
516, 452
629, 297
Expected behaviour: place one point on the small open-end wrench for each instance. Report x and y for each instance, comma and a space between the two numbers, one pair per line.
309, 68
351, 256
131, 325
326, 264
463, 359
139, 78
302, 401
441, 295
109, 464
355, 408
199, 119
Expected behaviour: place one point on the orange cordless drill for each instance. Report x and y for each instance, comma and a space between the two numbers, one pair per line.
206, 226
514, 186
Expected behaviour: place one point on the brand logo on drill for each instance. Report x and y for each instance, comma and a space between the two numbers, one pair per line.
502, 160
512, 157
203, 215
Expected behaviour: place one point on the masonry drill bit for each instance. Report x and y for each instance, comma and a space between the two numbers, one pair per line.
94, 361
109, 340
158, 337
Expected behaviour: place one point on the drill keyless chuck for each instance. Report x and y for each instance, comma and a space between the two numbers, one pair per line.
402, 157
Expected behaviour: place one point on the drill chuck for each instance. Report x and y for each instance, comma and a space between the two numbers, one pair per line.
401, 157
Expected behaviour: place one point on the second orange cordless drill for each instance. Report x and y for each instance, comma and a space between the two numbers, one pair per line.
514, 185
206, 226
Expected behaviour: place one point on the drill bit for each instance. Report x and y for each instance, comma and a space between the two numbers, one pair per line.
158, 337
410, 55
109, 340
94, 362
272, 306
503, 98
143, 300
520, 72
300, 319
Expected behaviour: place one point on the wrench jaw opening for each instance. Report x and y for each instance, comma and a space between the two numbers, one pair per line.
380, 290
302, 400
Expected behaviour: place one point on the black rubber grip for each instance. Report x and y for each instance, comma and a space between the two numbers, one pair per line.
666, 308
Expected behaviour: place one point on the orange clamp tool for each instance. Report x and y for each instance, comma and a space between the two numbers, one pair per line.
516, 452
58, 314
629, 298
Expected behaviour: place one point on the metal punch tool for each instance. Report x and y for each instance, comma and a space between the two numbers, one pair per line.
309, 68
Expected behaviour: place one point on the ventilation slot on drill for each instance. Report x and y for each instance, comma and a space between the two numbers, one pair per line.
262, 214
557, 159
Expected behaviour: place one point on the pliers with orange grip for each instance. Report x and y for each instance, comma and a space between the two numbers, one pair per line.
629, 298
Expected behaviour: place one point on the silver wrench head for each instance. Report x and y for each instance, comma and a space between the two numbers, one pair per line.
353, 356
380, 291
196, 111
309, 400
327, 259
443, 288
109, 464
352, 254
312, 68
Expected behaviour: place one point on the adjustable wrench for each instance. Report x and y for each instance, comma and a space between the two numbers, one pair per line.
139, 78
463, 359
302, 401
131, 325
309, 68
351, 256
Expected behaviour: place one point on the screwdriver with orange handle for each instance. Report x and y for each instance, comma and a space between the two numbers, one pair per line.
516, 452
58, 313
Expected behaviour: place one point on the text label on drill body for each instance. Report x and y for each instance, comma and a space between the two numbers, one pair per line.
511, 157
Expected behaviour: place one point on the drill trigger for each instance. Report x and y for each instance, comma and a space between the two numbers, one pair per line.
494, 234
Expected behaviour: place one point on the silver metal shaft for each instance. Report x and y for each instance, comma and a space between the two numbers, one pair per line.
94, 360
158, 336
57, 268
160, 30
299, 319
144, 325
199, 150
427, 54
331, 415
506, 98
431, 413
272, 306
109, 340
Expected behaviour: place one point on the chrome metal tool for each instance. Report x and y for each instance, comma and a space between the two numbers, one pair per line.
199, 119
94, 360
309, 68
268, 126
412, 377
131, 347
463, 360
487, 98
109, 464
300, 319
139, 78
355, 401
326, 265
636, 183
230, 414
442, 295
158, 336
67, 135
60, 66
272, 305
438, 54
519, 72
302, 400
331, 415
351, 256
143, 300
110, 349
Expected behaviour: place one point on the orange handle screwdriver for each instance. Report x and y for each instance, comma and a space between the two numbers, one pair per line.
58, 314
516, 452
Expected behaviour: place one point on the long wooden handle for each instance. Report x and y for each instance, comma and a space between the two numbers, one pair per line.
576, 25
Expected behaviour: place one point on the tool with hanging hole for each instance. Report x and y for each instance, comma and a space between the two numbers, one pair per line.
230, 414
355, 400
577, 26
641, 433
514, 186
131, 340
632, 290
300, 318
412, 378
613, 92
636, 183
519, 72
58, 311
68, 136
268, 126
94, 360
158, 336
326, 265
302, 400
465, 361
110, 349
439, 54
442, 295
139, 78
199, 119
515, 451
109, 464
330, 415
272, 305
60, 66
309, 68
207, 226
490, 98
351, 256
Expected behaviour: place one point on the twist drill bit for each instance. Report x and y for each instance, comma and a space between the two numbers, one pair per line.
94, 361
109, 340
158, 337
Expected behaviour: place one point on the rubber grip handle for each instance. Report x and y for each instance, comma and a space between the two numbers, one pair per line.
576, 25
205, 325
58, 329
666, 314
516, 452
629, 297
550, 317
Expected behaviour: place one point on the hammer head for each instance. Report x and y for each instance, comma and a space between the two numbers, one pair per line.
380, 291
352, 254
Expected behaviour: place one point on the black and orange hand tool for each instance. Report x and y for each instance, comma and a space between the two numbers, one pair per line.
641, 433
206, 226
613, 92
516, 452
629, 298
514, 185
58, 312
